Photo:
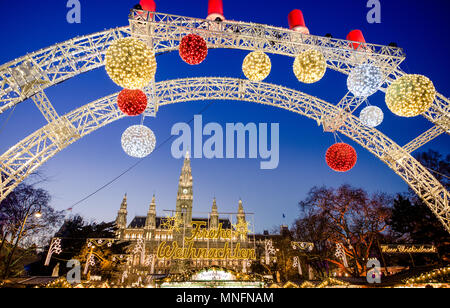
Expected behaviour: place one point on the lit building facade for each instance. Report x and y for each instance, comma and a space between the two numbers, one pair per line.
168, 245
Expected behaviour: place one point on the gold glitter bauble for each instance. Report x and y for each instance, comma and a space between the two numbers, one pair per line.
130, 63
310, 66
410, 95
257, 66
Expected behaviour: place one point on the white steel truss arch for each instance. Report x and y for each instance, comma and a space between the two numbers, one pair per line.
28, 76
29, 154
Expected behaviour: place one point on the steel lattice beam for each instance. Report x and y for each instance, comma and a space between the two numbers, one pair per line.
423, 139
22, 159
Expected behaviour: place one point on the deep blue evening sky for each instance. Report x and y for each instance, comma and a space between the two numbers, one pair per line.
420, 27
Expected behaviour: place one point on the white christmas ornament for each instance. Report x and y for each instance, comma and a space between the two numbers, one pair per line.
371, 116
138, 141
364, 80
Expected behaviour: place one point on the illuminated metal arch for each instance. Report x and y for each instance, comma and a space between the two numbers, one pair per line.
28, 155
28, 76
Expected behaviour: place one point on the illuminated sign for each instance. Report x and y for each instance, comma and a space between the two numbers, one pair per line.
230, 250
397, 249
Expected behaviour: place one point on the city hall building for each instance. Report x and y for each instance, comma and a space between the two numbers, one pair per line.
170, 245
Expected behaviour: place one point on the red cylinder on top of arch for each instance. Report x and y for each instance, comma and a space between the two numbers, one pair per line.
356, 36
148, 5
215, 10
297, 22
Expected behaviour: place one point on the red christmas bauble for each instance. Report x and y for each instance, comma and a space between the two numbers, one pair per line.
132, 102
341, 157
193, 49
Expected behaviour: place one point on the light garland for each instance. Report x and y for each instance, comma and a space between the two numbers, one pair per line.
364, 80
427, 277
257, 66
193, 49
310, 66
138, 141
132, 102
341, 157
60, 283
130, 63
371, 116
410, 95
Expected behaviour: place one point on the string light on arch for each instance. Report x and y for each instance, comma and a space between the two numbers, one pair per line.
371, 116
193, 49
257, 66
364, 80
341, 157
130, 63
138, 141
310, 66
410, 95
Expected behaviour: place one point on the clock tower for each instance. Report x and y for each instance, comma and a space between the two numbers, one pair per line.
185, 195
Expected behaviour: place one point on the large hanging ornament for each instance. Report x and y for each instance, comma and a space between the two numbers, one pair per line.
341, 157
132, 102
364, 80
310, 66
138, 141
410, 95
193, 49
371, 116
130, 63
257, 66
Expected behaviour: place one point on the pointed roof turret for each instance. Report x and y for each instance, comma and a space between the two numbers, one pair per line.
124, 202
214, 206
186, 172
153, 205
241, 207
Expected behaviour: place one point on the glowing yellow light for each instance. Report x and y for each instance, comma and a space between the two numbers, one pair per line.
257, 66
410, 95
310, 66
130, 63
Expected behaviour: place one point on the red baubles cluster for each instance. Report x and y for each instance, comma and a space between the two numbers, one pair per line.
132, 102
341, 157
193, 49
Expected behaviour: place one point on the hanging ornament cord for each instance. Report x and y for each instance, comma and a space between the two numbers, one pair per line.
132, 166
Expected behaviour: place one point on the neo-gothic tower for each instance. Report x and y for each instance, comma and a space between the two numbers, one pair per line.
150, 222
214, 220
185, 195
121, 220
241, 222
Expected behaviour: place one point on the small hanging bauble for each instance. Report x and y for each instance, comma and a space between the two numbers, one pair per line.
341, 157
193, 49
371, 116
132, 102
138, 141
